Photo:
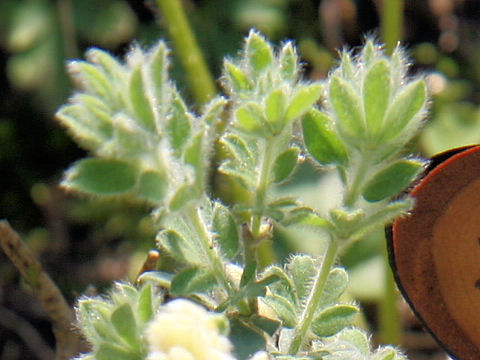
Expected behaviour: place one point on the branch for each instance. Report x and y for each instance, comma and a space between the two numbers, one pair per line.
60, 313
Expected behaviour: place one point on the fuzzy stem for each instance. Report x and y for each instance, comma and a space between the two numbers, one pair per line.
199, 77
301, 330
264, 252
391, 23
215, 262
353, 191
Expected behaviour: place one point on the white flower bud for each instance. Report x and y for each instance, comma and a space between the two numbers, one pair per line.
183, 330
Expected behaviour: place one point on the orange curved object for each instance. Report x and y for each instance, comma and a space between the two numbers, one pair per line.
435, 252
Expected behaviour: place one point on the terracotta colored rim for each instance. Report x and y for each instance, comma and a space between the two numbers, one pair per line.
435, 251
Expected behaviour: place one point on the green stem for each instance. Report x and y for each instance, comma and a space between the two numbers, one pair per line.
353, 191
301, 330
264, 252
390, 327
199, 77
215, 262
391, 23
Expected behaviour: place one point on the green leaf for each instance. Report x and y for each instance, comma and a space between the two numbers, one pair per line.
123, 320
179, 126
405, 106
161, 279
101, 176
275, 109
334, 319
335, 286
258, 51
288, 62
283, 309
321, 141
303, 101
357, 338
302, 269
306, 216
284, 164
391, 180
183, 195
79, 123
152, 186
213, 111
238, 148
145, 305
368, 53
238, 79
376, 96
266, 324
245, 175
108, 351
142, 109
158, 66
346, 66
192, 280
180, 248
114, 70
250, 118
91, 78
347, 105
194, 154
226, 231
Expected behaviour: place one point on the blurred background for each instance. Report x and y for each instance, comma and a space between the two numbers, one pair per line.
86, 244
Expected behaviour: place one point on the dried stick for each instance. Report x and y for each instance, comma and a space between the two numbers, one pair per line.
60, 313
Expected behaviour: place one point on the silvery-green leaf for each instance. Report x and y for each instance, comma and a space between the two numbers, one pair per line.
303, 101
184, 194
152, 186
108, 351
101, 176
288, 61
140, 102
226, 231
391, 180
91, 78
179, 126
347, 106
145, 307
182, 249
258, 51
376, 96
285, 164
275, 105
250, 119
302, 269
335, 286
406, 105
192, 280
237, 77
283, 309
333, 319
321, 140
123, 321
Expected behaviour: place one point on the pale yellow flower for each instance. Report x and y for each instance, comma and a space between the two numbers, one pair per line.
183, 330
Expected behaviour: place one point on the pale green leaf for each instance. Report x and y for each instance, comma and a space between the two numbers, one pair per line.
91, 78
288, 61
192, 280
250, 118
283, 309
302, 269
406, 105
108, 351
258, 51
333, 319
285, 164
179, 126
376, 96
101, 176
123, 320
321, 140
184, 194
303, 101
158, 66
335, 286
184, 250
275, 109
152, 186
140, 102
226, 231
347, 106
145, 309
391, 180
237, 77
